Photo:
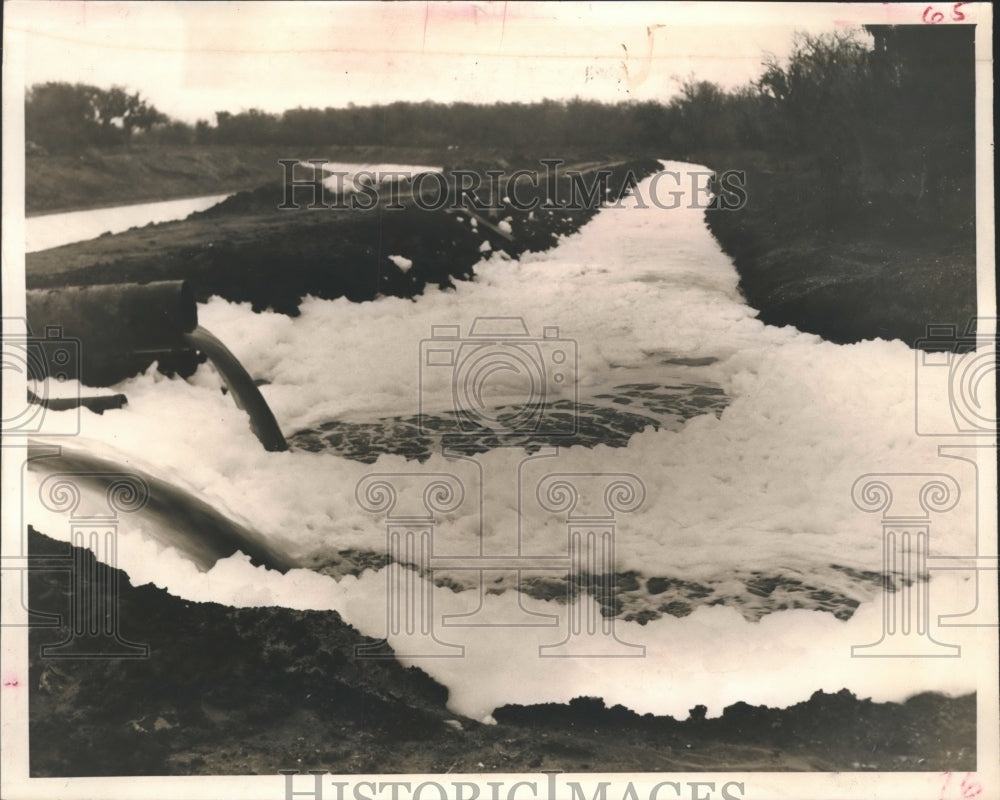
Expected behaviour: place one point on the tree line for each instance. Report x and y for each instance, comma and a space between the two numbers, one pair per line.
832, 91
66, 118
891, 106
69, 118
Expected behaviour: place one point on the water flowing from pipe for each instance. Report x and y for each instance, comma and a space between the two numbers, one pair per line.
174, 516
241, 385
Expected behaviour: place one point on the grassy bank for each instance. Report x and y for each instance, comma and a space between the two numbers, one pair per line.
254, 690
849, 268
122, 176
99, 178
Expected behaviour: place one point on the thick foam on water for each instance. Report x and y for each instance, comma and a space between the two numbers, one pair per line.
643, 295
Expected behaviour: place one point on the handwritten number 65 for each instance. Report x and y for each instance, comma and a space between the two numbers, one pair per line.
932, 16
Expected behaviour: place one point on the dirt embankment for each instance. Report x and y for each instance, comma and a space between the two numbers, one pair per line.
851, 268
118, 176
269, 247
870, 266
247, 249
138, 174
229, 691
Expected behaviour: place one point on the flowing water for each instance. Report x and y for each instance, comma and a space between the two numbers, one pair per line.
45, 231
55, 230
601, 432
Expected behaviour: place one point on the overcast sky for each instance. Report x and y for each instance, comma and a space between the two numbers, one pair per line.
193, 59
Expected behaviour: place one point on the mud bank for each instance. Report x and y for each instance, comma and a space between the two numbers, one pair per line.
847, 269
389, 242
246, 249
251, 691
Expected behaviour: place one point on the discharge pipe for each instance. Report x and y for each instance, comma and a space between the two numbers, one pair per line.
117, 330
241, 386
172, 515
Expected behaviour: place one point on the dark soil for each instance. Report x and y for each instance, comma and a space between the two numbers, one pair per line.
247, 250
848, 269
228, 691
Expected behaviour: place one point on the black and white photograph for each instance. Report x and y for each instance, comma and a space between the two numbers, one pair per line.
499, 401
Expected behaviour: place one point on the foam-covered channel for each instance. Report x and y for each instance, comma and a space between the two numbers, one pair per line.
746, 572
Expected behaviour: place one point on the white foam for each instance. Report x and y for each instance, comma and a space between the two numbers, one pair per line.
765, 486
402, 262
